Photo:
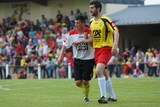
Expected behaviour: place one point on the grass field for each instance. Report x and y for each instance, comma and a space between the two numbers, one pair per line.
131, 92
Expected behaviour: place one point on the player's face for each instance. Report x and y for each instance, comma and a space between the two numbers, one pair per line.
78, 24
93, 10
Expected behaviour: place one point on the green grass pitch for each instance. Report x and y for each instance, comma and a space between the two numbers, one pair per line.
131, 92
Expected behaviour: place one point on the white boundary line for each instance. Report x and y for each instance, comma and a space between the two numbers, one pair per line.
1, 87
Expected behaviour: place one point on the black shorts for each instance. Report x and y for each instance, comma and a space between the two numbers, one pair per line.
83, 69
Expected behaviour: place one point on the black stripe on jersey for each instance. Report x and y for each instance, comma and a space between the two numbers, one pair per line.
104, 21
110, 23
90, 22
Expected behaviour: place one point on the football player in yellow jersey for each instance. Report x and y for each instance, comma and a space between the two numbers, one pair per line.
105, 41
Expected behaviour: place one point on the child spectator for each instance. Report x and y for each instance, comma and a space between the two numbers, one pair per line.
49, 67
137, 71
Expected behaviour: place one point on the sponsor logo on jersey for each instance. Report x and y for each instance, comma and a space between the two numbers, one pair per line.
82, 47
80, 36
97, 33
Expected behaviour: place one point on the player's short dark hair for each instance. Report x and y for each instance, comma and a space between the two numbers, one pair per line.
81, 18
97, 4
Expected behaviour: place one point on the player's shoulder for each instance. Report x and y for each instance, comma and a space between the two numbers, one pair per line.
87, 29
106, 18
73, 32
91, 20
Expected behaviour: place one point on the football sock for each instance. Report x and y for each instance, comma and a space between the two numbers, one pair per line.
102, 86
86, 91
110, 89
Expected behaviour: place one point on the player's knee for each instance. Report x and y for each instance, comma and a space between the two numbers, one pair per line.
107, 78
99, 74
78, 83
86, 83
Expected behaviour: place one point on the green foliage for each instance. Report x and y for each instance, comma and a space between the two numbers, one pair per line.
131, 92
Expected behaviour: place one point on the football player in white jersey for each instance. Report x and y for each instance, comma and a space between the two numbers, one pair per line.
83, 53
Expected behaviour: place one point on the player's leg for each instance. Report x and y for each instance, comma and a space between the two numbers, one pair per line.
78, 73
87, 74
112, 96
86, 90
109, 88
101, 60
102, 82
85, 86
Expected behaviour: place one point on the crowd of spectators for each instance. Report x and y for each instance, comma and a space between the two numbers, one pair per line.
136, 63
24, 44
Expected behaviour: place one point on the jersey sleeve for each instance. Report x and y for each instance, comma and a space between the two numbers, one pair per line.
111, 25
68, 41
88, 31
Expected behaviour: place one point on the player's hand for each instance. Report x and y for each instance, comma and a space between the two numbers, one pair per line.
86, 35
114, 49
59, 61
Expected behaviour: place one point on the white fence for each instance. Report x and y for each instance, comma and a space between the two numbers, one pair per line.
39, 73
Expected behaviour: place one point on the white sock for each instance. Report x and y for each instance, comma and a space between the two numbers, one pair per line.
102, 86
110, 89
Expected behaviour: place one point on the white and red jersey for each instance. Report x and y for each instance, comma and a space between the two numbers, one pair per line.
83, 51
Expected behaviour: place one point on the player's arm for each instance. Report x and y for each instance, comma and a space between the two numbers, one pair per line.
87, 39
112, 27
116, 40
61, 55
66, 44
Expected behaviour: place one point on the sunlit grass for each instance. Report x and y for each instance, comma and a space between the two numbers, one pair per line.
131, 92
